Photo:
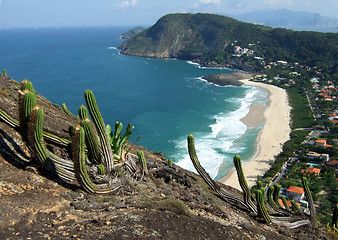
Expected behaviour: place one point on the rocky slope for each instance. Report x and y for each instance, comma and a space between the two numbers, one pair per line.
167, 203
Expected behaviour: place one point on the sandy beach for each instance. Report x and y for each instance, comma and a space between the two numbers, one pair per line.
272, 137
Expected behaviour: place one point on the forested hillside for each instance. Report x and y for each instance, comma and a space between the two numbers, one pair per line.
213, 40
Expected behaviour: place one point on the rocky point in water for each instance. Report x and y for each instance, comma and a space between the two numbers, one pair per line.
225, 79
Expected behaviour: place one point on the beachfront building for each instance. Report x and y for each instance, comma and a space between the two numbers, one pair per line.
295, 193
314, 155
311, 170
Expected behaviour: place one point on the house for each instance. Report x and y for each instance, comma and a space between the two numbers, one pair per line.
332, 163
295, 193
321, 142
314, 155
311, 170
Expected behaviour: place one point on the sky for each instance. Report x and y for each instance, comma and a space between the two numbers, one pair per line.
45, 13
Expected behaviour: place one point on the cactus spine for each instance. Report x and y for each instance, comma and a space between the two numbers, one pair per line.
310, 200
262, 212
101, 128
244, 184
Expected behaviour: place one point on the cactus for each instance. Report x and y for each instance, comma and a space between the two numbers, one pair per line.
101, 170
117, 142
142, 161
262, 212
276, 194
244, 184
260, 184
270, 199
29, 102
66, 110
91, 142
310, 200
170, 162
226, 196
100, 126
296, 208
27, 86
83, 113
5, 73
64, 169
81, 171
285, 203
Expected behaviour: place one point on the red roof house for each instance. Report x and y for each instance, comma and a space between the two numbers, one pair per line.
311, 170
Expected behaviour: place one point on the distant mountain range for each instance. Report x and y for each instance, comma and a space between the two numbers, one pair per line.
290, 19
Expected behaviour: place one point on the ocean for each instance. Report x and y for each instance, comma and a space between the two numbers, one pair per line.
166, 100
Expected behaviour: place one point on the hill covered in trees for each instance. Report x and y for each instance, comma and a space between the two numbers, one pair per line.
215, 40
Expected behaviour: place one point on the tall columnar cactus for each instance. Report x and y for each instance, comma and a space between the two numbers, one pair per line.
5, 73
101, 129
270, 199
285, 203
310, 200
229, 197
27, 86
276, 194
142, 161
83, 113
296, 208
29, 102
64, 169
81, 168
91, 142
260, 184
262, 212
244, 184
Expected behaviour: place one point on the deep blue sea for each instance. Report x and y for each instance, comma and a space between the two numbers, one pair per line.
165, 100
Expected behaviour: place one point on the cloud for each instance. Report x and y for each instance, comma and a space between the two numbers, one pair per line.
209, 1
205, 2
279, 3
127, 4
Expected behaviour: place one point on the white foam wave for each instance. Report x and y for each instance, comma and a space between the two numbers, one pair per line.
115, 48
212, 146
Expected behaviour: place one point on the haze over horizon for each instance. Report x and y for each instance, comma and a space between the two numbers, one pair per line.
63, 13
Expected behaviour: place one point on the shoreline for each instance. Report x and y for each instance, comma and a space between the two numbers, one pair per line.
273, 135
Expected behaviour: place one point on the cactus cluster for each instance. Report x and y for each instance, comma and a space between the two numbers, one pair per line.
91, 144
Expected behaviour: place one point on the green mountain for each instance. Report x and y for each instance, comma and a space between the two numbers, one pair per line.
211, 39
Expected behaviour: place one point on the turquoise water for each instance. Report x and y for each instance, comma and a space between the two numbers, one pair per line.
164, 99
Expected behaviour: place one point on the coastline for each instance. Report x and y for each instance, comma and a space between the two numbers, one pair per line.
274, 134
